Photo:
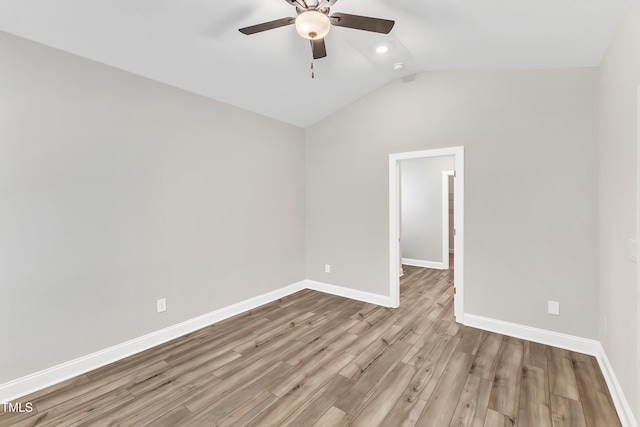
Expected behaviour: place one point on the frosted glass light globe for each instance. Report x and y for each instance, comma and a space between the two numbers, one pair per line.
312, 24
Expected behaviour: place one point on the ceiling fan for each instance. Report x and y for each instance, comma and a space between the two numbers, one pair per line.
313, 23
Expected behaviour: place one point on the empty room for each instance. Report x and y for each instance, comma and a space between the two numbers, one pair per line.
319, 213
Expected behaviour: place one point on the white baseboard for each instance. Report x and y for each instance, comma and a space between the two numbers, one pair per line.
568, 342
542, 336
425, 264
383, 300
15, 389
617, 395
12, 390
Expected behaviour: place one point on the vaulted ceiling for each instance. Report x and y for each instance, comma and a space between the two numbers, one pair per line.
195, 44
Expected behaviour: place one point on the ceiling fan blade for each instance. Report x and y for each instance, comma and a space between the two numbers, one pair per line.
318, 48
358, 22
283, 22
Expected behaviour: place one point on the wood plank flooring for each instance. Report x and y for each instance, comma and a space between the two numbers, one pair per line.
312, 359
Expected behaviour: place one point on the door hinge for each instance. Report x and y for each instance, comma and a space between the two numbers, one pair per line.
454, 231
454, 174
454, 291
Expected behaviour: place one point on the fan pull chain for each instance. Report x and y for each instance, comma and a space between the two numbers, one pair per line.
313, 76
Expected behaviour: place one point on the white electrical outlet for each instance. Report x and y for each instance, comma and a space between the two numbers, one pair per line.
633, 250
327, 268
162, 305
553, 307
604, 325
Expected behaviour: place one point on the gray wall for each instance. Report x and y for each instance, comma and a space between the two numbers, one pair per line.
116, 191
531, 197
421, 195
617, 149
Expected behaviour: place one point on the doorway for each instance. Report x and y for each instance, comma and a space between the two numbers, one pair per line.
394, 222
424, 214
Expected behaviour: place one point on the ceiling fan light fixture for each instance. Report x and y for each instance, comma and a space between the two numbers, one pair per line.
313, 24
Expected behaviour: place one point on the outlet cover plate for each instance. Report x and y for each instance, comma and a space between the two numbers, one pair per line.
162, 305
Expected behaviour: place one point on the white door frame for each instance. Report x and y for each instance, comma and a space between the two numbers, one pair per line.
445, 218
638, 265
394, 201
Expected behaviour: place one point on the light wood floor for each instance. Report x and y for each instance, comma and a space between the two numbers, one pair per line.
313, 359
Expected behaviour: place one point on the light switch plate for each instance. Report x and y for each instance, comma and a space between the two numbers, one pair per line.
633, 250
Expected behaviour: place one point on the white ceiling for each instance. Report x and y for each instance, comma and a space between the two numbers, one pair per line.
195, 45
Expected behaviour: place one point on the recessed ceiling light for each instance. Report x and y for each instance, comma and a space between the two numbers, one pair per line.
382, 49
398, 66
